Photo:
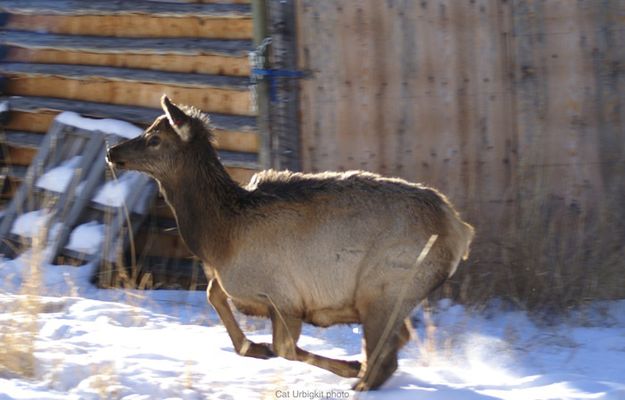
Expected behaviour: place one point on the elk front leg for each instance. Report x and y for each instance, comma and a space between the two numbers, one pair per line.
243, 346
286, 332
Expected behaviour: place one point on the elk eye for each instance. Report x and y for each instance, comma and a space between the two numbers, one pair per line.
154, 141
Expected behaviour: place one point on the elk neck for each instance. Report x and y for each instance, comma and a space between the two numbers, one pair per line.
205, 202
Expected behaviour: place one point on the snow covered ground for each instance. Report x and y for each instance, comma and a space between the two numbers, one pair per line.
86, 343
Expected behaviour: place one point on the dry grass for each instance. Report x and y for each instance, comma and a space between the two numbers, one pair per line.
428, 344
549, 252
18, 335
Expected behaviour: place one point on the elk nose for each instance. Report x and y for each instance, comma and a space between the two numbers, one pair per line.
112, 157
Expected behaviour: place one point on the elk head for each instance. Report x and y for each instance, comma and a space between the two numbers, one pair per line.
166, 145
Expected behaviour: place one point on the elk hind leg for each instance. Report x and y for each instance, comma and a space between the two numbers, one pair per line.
286, 332
386, 328
384, 334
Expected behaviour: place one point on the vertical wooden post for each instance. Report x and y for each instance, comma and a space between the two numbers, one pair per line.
284, 93
259, 16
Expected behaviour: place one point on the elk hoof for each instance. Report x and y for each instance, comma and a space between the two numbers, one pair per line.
260, 350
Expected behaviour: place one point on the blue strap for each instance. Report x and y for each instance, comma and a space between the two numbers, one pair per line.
272, 74
277, 73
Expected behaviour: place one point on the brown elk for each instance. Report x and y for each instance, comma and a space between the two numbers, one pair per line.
328, 248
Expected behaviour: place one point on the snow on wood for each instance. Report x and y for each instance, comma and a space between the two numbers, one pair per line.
33, 223
112, 126
28, 224
58, 178
115, 192
87, 238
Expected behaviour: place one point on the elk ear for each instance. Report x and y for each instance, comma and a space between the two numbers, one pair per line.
177, 118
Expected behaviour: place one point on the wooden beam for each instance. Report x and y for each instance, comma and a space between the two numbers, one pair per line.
18, 155
259, 13
247, 142
38, 121
137, 25
201, 63
148, 94
284, 115
41, 120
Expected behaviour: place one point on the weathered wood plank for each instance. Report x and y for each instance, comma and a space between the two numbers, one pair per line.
203, 64
138, 115
39, 121
135, 7
126, 74
145, 94
514, 109
14, 155
135, 26
19, 148
191, 55
232, 133
104, 44
237, 141
412, 89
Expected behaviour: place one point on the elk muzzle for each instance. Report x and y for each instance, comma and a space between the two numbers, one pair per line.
112, 157
125, 155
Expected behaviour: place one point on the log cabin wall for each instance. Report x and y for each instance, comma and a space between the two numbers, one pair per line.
513, 108
107, 59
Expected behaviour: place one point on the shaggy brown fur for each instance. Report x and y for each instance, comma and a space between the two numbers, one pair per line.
324, 249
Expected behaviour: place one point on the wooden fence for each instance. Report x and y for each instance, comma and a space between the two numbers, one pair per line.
513, 108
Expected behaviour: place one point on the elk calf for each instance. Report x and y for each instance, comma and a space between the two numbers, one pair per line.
325, 249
